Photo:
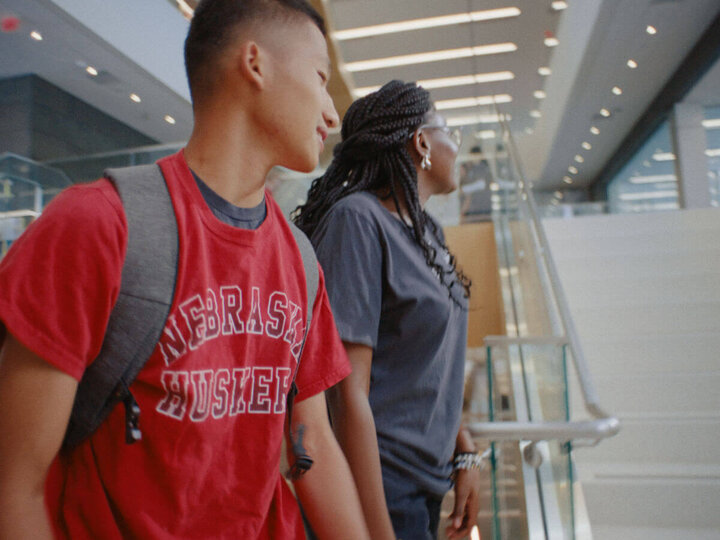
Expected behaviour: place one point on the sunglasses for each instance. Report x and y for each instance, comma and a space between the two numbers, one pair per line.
454, 134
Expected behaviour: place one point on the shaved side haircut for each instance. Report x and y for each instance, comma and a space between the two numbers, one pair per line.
215, 25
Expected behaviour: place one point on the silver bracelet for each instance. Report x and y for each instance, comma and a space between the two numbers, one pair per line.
467, 461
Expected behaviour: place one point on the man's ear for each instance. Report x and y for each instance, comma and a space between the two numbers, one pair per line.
252, 63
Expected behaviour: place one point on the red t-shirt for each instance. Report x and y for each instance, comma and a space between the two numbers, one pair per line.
213, 393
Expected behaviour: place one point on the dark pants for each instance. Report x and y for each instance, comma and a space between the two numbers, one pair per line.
415, 513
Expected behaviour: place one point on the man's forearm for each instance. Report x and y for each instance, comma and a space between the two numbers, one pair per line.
23, 517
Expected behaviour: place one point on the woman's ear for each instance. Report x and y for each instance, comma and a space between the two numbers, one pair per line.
421, 143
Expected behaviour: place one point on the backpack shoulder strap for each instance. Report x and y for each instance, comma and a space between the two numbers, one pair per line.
143, 305
303, 462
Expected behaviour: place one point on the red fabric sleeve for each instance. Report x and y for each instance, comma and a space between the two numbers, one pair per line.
324, 361
60, 279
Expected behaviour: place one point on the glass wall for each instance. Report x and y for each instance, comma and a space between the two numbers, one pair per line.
712, 134
648, 182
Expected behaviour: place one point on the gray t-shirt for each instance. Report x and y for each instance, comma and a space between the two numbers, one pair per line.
384, 295
228, 213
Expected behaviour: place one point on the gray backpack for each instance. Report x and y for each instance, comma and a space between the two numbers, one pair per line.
143, 305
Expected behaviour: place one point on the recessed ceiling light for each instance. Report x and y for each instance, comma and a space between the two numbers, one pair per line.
485, 134
535, 114
91, 71
558, 194
579, 158
572, 170
447, 82
586, 145
429, 22
434, 56
169, 119
539, 94
473, 119
664, 156
567, 180
135, 98
605, 113
544, 71
551, 42
632, 64
651, 30
529, 130
617, 90
37, 36
559, 5
594, 130
472, 101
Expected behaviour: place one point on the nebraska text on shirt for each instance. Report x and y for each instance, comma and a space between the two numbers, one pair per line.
223, 313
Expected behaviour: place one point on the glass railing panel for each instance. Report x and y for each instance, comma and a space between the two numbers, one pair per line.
26, 187
90, 167
528, 383
508, 498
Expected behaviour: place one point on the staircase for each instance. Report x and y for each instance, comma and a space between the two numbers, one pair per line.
644, 293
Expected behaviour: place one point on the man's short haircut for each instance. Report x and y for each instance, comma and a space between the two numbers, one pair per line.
214, 26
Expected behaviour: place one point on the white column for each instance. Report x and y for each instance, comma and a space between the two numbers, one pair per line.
691, 164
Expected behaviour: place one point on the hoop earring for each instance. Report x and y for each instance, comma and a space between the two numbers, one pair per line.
425, 164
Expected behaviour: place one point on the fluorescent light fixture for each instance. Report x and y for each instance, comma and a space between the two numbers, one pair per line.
169, 119
539, 94
579, 158
651, 30
663, 194
617, 90
586, 145
472, 101
544, 71
652, 179
605, 113
185, 8
664, 156
135, 98
434, 56
535, 114
485, 134
429, 22
551, 42
567, 180
91, 71
559, 5
712, 123
632, 64
37, 36
447, 82
572, 170
712, 152
473, 119
594, 130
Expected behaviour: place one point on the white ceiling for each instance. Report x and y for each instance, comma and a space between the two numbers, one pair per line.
596, 39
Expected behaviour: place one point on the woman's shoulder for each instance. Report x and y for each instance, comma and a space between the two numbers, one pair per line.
361, 203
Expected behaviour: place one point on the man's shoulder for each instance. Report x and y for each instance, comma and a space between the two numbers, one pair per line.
96, 201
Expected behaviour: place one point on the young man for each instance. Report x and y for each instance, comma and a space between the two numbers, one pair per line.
213, 392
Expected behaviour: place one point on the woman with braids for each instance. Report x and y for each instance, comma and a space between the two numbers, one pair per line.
400, 305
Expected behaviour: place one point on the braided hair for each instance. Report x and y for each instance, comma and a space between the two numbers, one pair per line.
374, 156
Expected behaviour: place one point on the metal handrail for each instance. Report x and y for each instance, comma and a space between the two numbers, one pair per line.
590, 430
604, 425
